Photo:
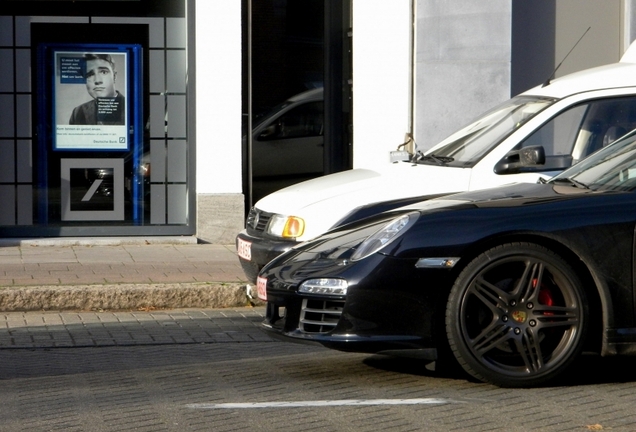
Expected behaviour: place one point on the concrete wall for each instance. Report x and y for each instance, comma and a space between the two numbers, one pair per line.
220, 217
533, 36
381, 79
628, 23
545, 32
462, 63
601, 45
220, 211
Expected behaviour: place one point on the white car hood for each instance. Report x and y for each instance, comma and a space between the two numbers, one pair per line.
292, 198
352, 189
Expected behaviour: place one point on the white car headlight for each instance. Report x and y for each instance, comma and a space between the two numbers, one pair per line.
324, 286
287, 227
384, 236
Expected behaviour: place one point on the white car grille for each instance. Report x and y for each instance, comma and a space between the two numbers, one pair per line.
257, 220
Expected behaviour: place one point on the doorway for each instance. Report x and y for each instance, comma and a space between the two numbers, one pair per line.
296, 92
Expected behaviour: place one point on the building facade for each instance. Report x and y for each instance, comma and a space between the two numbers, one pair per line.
174, 165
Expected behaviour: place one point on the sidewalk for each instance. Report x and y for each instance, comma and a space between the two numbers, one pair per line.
119, 274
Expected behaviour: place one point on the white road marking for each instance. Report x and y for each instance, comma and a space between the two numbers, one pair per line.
322, 403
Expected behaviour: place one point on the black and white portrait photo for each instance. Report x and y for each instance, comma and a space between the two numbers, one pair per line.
90, 90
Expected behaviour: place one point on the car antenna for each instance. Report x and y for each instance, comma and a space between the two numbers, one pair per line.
547, 82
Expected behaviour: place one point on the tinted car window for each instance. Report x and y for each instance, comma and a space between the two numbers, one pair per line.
585, 128
303, 121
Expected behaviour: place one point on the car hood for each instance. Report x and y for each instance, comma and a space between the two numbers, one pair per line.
313, 199
516, 194
298, 196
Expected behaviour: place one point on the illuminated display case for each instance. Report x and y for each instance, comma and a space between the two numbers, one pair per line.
76, 159
90, 145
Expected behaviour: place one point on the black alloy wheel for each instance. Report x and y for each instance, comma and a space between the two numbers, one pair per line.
516, 316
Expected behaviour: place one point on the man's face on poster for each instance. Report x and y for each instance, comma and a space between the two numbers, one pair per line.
100, 78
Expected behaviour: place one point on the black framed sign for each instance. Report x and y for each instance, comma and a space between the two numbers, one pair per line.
91, 95
90, 131
90, 103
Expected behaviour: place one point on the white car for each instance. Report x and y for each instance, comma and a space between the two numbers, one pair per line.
536, 134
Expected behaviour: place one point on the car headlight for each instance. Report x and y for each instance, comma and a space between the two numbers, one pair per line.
324, 286
286, 226
384, 236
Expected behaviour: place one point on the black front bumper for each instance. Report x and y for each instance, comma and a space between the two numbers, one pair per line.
357, 323
390, 305
263, 251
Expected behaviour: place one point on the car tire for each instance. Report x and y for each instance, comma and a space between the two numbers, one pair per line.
516, 316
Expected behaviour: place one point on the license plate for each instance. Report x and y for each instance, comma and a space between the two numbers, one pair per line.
244, 249
397, 156
261, 288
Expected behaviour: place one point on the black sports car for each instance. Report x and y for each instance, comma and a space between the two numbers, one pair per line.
512, 283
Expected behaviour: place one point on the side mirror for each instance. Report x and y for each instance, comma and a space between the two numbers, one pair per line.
269, 132
516, 160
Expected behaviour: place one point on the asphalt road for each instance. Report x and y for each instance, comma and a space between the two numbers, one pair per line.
214, 370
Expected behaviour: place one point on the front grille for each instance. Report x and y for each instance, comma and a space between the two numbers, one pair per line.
320, 316
257, 220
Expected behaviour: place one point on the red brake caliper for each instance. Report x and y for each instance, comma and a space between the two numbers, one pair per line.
545, 296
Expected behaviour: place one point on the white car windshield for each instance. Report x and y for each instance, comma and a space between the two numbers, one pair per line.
468, 145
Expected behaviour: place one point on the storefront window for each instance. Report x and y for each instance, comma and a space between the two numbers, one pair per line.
95, 137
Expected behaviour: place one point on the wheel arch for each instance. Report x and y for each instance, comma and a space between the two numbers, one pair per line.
599, 298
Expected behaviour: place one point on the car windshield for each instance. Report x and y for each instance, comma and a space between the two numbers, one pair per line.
611, 168
262, 116
468, 145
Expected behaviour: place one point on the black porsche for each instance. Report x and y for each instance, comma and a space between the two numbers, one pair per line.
511, 283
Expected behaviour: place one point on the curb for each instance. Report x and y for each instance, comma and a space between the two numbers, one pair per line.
98, 241
125, 297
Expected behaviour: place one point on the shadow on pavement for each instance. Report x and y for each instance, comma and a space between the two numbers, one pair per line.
588, 369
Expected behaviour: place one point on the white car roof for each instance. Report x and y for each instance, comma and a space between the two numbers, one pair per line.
316, 93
